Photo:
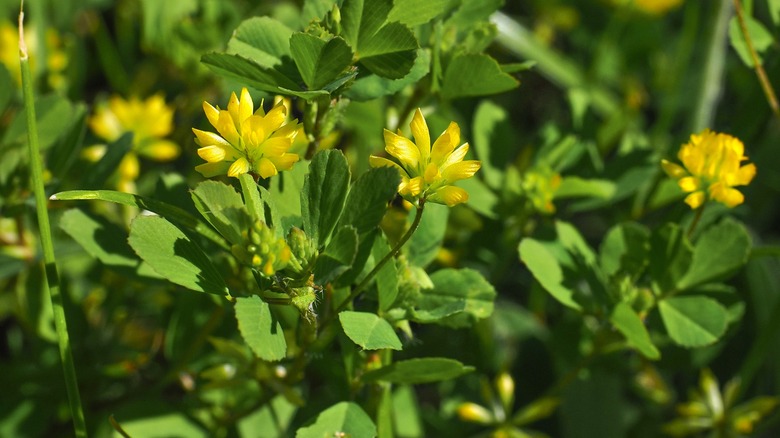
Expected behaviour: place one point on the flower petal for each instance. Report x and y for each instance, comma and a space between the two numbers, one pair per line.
239, 167
726, 195
422, 137
695, 199
284, 161
245, 106
209, 170
745, 174
445, 144
403, 149
205, 138
266, 168
159, 150
211, 113
689, 184
673, 170
449, 195
461, 170
212, 154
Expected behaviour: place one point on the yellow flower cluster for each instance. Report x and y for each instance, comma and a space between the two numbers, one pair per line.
427, 172
247, 141
712, 167
149, 120
56, 60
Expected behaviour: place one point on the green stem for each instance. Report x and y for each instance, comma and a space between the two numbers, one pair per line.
769, 92
51, 282
696, 219
389, 256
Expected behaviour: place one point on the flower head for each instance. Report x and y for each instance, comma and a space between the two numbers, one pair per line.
428, 171
149, 120
712, 167
247, 141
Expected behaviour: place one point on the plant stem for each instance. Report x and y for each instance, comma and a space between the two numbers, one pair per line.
696, 219
51, 283
769, 92
389, 256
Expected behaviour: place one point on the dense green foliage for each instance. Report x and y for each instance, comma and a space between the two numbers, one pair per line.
575, 294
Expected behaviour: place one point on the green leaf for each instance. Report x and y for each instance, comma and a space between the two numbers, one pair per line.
369, 331
248, 72
263, 40
574, 186
628, 322
171, 212
494, 142
174, 256
260, 329
386, 49
54, 115
285, 190
626, 249
693, 321
372, 86
368, 198
161, 19
387, 277
223, 209
670, 257
319, 61
473, 11
161, 425
105, 241
459, 288
424, 244
774, 11
415, 12
761, 38
342, 419
338, 255
67, 151
416, 371
324, 193
475, 75
720, 251
547, 270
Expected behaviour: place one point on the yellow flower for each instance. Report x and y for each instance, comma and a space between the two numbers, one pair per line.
149, 120
246, 142
56, 62
712, 168
427, 172
656, 7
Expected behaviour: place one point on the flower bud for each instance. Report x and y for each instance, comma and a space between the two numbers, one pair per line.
303, 253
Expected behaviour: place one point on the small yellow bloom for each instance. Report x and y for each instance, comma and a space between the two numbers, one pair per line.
246, 141
712, 167
149, 120
56, 62
657, 7
427, 172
